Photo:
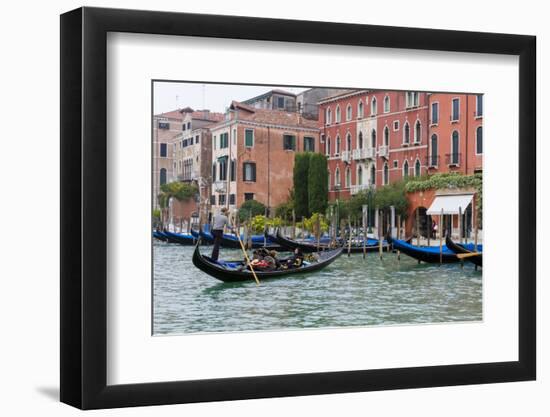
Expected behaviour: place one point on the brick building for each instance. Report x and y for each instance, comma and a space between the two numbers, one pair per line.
374, 137
253, 154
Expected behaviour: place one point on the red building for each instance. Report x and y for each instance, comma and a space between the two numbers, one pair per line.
375, 137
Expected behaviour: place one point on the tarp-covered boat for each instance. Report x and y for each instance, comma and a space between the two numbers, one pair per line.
233, 271
180, 238
466, 248
290, 244
429, 254
157, 234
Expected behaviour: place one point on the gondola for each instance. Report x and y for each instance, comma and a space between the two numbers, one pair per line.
157, 234
230, 271
231, 242
179, 238
371, 246
429, 254
293, 244
466, 248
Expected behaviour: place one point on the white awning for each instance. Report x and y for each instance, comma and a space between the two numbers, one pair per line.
450, 204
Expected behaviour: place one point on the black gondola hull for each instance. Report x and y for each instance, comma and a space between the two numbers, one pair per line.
457, 248
423, 255
227, 275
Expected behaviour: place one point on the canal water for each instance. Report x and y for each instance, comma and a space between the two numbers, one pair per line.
350, 292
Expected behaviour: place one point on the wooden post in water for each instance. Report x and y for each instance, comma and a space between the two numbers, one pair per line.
293, 231
429, 228
364, 219
380, 234
441, 238
349, 235
460, 224
318, 230
398, 235
417, 211
476, 216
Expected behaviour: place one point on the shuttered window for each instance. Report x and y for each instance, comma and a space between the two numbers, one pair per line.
289, 142
249, 138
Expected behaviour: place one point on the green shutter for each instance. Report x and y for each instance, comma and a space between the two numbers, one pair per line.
249, 138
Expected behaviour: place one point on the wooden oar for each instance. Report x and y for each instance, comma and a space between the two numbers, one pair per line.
247, 258
467, 255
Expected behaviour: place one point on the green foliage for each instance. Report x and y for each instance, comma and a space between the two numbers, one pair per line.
156, 214
310, 224
284, 210
317, 183
301, 175
181, 191
258, 223
392, 195
449, 180
251, 208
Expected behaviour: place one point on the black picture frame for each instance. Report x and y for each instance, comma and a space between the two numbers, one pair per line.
84, 207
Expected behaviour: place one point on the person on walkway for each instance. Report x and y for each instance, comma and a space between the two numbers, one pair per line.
218, 223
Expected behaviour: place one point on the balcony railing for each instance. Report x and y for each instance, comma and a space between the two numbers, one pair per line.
384, 151
219, 186
354, 189
432, 161
364, 153
346, 156
453, 159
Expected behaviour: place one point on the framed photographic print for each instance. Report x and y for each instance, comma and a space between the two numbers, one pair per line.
258, 208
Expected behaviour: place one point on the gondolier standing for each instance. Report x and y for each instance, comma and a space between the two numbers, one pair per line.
219, 221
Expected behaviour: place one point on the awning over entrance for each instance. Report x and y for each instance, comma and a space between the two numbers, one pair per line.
450, 204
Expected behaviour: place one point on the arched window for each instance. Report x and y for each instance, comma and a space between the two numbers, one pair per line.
360, 140
455, 156
348, 177
337, 145
372, 175
406, 169
479, 140
386, 136
406, 133
373, 109
360, 111
328, 116
417, 168
337, 177
386, 104
348, 112
348, 142
360, 175
386, 174
417, 132
327, 146
162, 176
337, 117
373, 138
433, 151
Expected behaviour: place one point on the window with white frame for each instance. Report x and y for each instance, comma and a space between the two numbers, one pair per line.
479, 140
406, 169
348, 142
373, 138
337, 146
386, 136
387, 104
412, 99
373, 107
360, 110
417, 168
327, 146
337, 181
455, 110
328, 116
396, 125
417, 132
348, 177
360, 175
372, 175
386, 176
435, 113
337, 118
360, 140
479, 105
406, 134
348, 112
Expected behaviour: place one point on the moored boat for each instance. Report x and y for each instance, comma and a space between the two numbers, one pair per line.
293, 244
234, 271
466, 249
179, 238
429, 254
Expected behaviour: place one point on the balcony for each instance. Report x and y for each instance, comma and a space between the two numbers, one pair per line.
432, 162
453, 159
364, 153
219, 186
384, 151
355, 189
346, 156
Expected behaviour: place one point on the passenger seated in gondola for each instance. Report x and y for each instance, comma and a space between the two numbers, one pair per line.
296, 261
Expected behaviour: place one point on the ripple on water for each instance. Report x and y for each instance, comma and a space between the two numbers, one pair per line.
350, 292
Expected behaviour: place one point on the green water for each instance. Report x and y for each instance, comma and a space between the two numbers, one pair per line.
350, 292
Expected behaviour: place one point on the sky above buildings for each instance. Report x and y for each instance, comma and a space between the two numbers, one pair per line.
215, 97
